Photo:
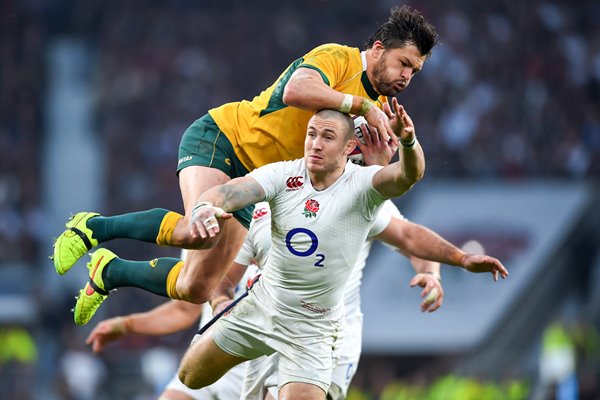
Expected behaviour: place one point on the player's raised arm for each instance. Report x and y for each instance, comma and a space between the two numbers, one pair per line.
397, 178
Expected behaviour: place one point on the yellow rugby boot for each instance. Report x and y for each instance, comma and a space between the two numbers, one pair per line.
74, 242
93, 294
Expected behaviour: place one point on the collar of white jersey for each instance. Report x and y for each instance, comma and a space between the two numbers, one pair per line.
363, 58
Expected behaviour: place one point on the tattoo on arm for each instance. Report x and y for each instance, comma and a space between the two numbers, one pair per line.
239, 193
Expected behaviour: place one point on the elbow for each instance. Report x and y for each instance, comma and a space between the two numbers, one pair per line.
291, 94
416, 177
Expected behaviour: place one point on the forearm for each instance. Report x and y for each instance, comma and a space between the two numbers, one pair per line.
226, 289
423, 243
168, 318
306, 90
413, 162
398, 177
234, 195
421, 266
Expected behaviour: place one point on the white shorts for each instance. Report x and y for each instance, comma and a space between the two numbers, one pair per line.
349, 353
254, 328
229, 387
261, 377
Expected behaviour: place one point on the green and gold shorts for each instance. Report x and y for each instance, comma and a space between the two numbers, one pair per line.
204, 144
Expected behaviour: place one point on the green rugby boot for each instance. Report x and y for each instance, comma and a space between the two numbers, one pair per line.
93, 294
74, 242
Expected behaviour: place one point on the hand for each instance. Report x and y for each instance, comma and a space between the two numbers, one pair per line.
380, 121
430, 283
205, 222
400, 122
105, 332
478, 263
375, 150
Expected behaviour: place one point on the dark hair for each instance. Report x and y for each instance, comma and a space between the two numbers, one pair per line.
405, 25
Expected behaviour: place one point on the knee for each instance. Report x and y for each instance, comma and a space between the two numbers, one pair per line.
186, 377
194, 292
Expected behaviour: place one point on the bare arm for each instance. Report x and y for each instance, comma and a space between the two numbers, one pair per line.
307, 90
397, 178
170, 317
219, 201
225, 291
415, 240
422, 242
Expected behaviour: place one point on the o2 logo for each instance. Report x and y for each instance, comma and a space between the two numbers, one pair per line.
313, 246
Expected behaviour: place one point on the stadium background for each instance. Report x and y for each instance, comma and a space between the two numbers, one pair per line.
94, 96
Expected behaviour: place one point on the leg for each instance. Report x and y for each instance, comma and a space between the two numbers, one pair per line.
204, 363
301, 391
203, 270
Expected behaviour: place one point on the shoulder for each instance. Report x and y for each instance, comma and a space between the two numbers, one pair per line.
335, 50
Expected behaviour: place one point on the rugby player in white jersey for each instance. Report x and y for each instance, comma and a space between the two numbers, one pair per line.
322, 210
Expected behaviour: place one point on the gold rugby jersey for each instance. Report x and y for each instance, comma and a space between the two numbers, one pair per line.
266, 130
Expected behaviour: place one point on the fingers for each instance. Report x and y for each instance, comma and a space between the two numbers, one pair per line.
433, 301
387, 110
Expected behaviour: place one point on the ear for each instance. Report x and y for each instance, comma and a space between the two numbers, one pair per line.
350, 146
377, 49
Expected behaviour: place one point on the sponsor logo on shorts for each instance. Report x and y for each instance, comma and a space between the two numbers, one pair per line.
183, 159
313, 307
294, 183
153, 263
228, 161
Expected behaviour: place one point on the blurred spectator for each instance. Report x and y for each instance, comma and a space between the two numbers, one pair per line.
18, 357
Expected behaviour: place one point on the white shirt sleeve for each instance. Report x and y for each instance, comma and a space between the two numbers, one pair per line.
270, 178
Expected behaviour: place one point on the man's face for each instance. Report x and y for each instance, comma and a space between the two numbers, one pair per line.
394, 68
326, 146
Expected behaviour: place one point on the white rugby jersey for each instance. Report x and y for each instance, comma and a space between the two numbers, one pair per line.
352, 292
254, 253
316, 235
258, 241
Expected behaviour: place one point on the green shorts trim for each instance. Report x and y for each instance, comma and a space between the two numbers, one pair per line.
204, 144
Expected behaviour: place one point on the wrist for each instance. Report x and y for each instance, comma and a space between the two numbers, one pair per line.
435, 274
201, 204
123, 325
346, 105
365, 106
458, 258
409, 144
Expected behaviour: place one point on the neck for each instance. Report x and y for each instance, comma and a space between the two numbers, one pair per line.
322, 180
370, 60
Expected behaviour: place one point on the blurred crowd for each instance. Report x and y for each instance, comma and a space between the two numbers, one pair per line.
512, 92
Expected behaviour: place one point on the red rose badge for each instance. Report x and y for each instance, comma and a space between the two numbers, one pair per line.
310, 208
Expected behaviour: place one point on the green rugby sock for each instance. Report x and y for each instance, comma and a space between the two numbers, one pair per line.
149, 275
141, 225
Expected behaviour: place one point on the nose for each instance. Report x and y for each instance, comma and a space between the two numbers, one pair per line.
317, 143
406, 73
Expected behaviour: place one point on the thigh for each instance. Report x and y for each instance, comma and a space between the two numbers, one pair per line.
203, 269
204, 362
301, 391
